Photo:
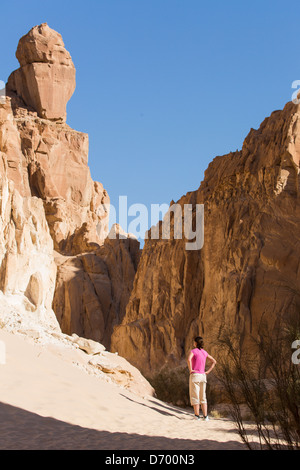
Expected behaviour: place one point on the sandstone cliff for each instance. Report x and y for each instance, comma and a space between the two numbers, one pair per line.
46, 158
54, 250
92, 289
247, 272
56, 256
27, 267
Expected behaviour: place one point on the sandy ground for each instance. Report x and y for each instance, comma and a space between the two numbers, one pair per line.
46, 402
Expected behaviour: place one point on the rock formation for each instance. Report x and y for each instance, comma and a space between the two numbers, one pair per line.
93, 289
53, 210
46, 158
247, 273
56, 255
46, 79
27, 267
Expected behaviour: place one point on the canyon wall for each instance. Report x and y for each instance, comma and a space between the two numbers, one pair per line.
246, 276
60, 267
55, 253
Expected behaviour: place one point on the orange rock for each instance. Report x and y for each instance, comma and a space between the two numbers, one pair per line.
46, 79
247, 272
93, 289
47, 162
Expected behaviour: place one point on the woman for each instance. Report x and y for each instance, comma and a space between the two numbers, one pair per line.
196, 363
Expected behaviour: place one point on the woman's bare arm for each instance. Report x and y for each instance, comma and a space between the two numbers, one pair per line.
189, 361
213, 361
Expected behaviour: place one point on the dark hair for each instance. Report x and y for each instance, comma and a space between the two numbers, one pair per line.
199, 341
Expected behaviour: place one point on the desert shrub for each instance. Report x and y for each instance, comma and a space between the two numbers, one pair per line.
172, 386
267, 382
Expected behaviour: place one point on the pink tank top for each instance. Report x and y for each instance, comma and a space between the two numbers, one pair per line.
199, 360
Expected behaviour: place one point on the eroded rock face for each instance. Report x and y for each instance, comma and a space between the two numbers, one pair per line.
46, 164
46, 78
50, 161
46, 158
27, 267
247, 272
93, 289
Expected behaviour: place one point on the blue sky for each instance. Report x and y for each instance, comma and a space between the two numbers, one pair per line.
163, 86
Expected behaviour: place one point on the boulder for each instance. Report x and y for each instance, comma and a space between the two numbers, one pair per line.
46, 78
89, 346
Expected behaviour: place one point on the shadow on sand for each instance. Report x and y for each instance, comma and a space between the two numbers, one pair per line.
23, 430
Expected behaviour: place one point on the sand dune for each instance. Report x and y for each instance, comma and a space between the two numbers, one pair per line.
48, 402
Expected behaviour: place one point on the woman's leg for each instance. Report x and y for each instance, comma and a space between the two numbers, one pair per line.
194, 396
203, 398
204, 409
